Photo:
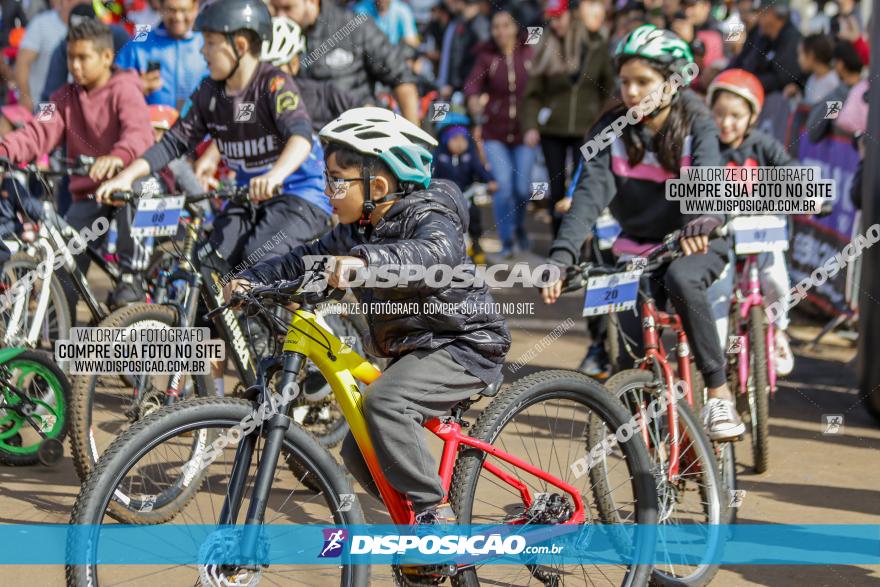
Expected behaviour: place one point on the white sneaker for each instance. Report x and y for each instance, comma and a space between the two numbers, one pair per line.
784, 357
721, 420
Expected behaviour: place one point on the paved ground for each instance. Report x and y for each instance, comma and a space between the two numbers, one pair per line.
813, 477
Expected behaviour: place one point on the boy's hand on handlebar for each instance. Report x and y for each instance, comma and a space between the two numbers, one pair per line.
120, 183
264, 187
236, 286
105, 167
344, 271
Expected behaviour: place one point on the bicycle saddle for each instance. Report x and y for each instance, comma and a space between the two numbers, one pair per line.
624, 248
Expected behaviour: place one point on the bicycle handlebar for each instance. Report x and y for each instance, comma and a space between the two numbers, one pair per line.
576, 276
237, 195
279, 293
79, 166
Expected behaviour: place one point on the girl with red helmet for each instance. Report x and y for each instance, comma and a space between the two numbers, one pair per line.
735, 98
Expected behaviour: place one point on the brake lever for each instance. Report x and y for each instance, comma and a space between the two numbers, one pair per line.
231, 304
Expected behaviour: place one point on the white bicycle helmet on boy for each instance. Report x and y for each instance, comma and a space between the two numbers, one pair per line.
287, 42
400, 144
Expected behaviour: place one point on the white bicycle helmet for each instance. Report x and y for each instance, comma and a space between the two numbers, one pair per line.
287, 42
402, 145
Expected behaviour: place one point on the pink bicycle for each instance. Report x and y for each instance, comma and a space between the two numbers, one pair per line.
751, 339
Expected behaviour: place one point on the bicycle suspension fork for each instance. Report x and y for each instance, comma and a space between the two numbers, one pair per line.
273, 429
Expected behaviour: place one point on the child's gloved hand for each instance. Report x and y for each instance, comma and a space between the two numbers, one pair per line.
344, 271
492, 187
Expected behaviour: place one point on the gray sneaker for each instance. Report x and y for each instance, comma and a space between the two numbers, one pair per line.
721, 420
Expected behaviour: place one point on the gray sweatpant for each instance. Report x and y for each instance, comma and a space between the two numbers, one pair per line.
417, 387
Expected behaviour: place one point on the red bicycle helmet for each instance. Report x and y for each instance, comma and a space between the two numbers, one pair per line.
739, 82
162, 117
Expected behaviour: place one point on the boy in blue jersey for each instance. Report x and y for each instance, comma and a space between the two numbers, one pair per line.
254, 112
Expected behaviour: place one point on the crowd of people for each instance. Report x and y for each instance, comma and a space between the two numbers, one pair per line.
198, 93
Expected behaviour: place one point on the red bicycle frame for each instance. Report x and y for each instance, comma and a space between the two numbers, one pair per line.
450, 433
653, 324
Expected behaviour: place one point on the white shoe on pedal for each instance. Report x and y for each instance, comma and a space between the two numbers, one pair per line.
721, 420
784, 357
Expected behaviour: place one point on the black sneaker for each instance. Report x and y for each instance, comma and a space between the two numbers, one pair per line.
435, 573
596, 363
129, 290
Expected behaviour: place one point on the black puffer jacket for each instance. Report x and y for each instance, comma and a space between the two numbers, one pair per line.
350, 50
425, 229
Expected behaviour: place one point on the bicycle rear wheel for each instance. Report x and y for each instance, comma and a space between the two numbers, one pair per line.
34, 374
147, 460
57, 319
695, 496
545, 420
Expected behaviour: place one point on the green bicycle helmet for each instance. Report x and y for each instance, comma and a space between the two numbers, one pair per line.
655, 44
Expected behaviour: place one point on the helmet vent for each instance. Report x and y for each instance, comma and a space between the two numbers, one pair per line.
414, 138
372, 134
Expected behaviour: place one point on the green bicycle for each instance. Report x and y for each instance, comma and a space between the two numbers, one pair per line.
34, 408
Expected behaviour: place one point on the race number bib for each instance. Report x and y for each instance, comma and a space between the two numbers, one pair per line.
759, 234
157, 216
611, 293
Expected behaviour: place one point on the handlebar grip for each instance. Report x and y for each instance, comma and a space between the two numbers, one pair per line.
121, 197
719, 232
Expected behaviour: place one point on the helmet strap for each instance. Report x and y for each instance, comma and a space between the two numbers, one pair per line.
660, 109
370, 205
231, 38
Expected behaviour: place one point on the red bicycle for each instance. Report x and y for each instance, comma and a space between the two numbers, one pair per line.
690, 486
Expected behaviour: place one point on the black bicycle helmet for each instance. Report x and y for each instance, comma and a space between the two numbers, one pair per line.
231, 16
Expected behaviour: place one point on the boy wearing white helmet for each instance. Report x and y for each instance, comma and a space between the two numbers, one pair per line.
323, 99
392, 215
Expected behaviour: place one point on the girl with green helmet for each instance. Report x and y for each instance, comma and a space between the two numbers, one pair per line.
644, 138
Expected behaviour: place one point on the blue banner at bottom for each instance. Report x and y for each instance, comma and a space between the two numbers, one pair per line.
182, 544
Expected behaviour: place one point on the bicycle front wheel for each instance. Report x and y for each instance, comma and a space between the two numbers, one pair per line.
545, 419
759, 389
692, 497
103, 406
151, 458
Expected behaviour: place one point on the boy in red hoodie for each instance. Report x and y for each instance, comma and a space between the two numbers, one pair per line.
101, 114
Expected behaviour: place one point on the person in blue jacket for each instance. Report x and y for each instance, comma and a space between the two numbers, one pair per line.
457, 160
168, 58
